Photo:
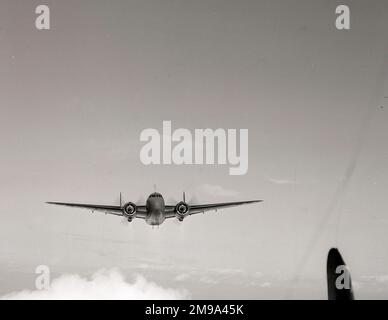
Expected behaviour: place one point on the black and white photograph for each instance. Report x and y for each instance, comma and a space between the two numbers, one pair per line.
194, 150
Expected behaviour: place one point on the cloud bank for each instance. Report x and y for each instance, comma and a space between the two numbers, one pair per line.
102, 285
281, 181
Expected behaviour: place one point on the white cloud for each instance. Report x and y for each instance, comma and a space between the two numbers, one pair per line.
379, 278
266, 285
281, 181
208, 280
104, 284
227, 271
258, 274
216, 191
182, 277
382, 278
291, 181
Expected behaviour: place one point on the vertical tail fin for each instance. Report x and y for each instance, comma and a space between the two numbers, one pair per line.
184, 196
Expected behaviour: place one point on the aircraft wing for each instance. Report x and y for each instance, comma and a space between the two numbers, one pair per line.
202, 208
114, 210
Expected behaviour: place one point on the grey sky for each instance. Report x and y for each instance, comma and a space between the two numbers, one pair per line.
74, 100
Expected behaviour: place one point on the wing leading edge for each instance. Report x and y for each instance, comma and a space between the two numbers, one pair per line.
114, 210
202, 208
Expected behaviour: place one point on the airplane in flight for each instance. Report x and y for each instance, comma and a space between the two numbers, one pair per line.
155, 211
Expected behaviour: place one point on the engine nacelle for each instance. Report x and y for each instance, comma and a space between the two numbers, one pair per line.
129, 211
182, 210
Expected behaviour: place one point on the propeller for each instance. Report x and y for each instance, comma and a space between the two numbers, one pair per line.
174, 201
140, 202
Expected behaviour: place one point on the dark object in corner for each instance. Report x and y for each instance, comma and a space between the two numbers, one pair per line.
334, 260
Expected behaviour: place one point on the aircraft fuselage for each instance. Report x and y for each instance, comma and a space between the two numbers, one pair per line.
155, 209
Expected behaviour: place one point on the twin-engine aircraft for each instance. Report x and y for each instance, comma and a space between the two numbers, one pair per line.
155, 211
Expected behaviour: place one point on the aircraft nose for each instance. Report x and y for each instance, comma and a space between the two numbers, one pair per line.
158, 206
